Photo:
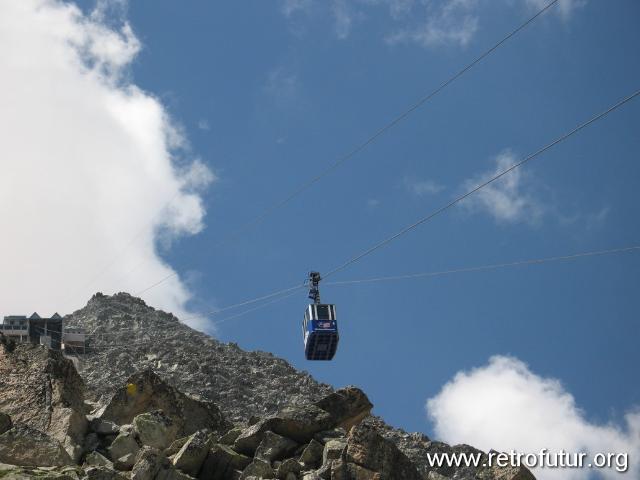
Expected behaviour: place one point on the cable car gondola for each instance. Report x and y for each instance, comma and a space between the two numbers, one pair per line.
319, 326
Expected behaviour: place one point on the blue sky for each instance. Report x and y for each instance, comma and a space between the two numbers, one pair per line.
280, 98
268, 94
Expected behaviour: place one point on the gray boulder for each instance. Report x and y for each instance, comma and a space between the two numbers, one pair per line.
176, 445
95, 459
103, 427
123, 451
100, 473
154, 429
333, 450
23, 445
311, 456
125, 462
341, 470
345, 407
46, 393
258, 469
148, 464
369, 450
193, 453
287, 468
275, 447
231, 436
222, 462
145, 392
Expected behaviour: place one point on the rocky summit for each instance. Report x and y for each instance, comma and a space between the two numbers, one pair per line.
153, 399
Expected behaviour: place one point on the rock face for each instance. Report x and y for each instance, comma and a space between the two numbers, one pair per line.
159, 422
243, 384
23, 445
367, 449
301, 423
145, 392
155, 429
42, 389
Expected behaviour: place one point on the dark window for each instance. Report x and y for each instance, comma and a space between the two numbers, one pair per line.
323, 312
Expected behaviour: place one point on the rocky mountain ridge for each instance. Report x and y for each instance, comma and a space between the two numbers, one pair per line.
152, 381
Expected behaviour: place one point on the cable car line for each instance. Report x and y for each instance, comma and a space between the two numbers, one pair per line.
245, 312
381, 131
290, 292
533, 261
459, 199
292, 289
371, 139
494, 266
480, 268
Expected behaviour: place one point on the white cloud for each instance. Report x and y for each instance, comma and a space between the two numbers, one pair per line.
508, 199
597, 219
565, 7
291, 7
504, 406
420, 188
283, 87
343, 18
427, 23
89, 162
451, 22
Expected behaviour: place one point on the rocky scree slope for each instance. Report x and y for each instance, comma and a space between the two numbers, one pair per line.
149, 430
129, 336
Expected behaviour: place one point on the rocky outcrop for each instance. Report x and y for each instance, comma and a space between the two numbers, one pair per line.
41, 389
23, 445
159, 421
123, 450
244, 385
222, 462
193, 453
324, 440
300, 423
145, 392
155, 429
367, 449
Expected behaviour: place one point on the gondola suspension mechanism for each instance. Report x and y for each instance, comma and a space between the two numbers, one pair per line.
319, 326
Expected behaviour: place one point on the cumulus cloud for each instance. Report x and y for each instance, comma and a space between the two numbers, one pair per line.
373, 203
291, 7
452, 22
283, 87
420, 188
427, 23
508, 199
565, 7
504, 406
92, 166
343, 18
203, 124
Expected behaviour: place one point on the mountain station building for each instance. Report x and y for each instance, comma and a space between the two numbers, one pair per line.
44, 331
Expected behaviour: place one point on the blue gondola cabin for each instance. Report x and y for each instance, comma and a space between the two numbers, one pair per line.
320, 331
